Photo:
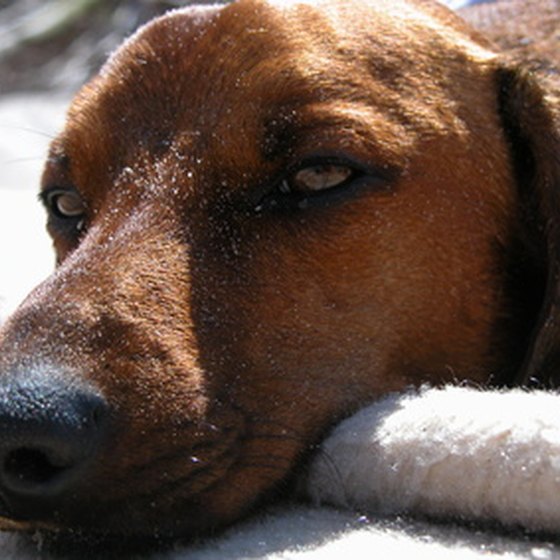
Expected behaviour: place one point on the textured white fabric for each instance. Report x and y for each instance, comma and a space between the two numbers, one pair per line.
483, 455
305, 533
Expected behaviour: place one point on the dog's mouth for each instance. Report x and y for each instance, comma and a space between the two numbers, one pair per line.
88, 522
181, 492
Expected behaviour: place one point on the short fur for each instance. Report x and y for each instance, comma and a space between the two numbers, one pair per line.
228, 327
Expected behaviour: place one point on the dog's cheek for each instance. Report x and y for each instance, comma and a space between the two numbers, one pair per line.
272, 329
319, 308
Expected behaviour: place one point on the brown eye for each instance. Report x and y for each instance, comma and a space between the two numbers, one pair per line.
316, 178
321, 183
65, 204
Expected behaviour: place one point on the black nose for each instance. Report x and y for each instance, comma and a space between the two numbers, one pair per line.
50, 431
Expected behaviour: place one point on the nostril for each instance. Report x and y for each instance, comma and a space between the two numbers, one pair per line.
27, 468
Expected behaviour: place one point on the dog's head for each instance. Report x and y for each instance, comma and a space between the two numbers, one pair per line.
264, 216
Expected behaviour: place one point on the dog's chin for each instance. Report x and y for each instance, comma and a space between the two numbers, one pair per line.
103, 536
85, 544
80, 544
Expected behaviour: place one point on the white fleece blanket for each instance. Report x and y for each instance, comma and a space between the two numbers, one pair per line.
456, 452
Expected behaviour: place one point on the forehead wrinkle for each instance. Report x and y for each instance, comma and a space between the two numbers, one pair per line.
336, 124
394, 43
318, 68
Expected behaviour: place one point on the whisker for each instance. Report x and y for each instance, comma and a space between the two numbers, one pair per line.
30, 130
280, 429
23, 160
272, 437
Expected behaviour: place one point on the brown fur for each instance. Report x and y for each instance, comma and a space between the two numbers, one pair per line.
228, 335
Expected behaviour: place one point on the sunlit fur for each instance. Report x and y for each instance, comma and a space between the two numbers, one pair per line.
226, 337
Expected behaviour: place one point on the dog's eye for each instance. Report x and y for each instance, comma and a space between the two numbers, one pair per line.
316, 178
317, 184
65, 203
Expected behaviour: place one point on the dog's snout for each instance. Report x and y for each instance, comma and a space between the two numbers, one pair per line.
49, 434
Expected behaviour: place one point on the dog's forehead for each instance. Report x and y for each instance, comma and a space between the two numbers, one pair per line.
204, 45
210, 79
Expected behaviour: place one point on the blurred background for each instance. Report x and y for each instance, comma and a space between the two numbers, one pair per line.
48, 49
48, 45
56, 44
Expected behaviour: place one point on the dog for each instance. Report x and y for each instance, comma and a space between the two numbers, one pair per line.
265, 215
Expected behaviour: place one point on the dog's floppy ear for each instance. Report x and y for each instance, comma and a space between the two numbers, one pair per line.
530, 109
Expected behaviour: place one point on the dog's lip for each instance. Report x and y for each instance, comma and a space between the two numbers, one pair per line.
7, 514
9, 524
9, 520
13, 519
109, 518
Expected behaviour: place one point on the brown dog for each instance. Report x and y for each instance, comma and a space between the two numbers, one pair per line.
265, 215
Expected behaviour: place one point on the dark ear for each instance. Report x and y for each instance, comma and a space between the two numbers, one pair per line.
530, 109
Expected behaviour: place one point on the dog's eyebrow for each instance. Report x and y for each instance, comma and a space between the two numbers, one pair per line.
284, 134
279, 135
57, 169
